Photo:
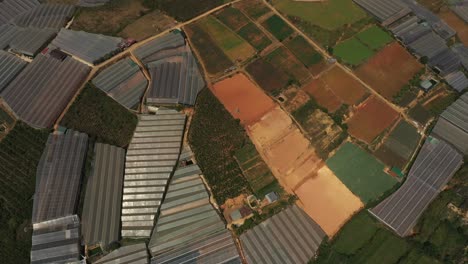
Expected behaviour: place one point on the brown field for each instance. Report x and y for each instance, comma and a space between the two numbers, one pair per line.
456, 23
341, 86
370, 119
389, 70
294, 98
283, 59
327, 200
242, 98
262, 72
147, 26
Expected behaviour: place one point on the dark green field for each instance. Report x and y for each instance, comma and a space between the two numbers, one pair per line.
254, 36
20, 152
304, 51
184, 10
374, 37
99, 116
261, 71
278, 27
360, 172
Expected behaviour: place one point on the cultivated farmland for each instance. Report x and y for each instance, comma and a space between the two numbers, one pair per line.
278, 27
389, 70
360, 172
281, 58
352, 51
233, 18
261, 71
236, 48
306, 54
371, 119
148, 25
253, 8
374, 37
184, 10
254, 36
243, 99
96, 114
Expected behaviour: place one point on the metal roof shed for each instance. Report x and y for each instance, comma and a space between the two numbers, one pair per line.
45, 16
9, 9
10, 67
457, 80
58, 176
29, 41
135, 254
102, 204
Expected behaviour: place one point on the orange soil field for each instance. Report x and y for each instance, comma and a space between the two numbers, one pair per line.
327, 200
344, 87
370, 119
323, 95
242, 98
389, 70
456, 23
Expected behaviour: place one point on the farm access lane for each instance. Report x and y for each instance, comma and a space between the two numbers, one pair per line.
129, 52
346, 69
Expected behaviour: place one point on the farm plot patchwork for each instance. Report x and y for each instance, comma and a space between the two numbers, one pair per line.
236, 48
243, 99
233, 18
306, 54
293, 98
254, 36
184, 10
148, 25
389, 70
261, 71
352, 51
336, 87
371, 119
281, 58
360, 172
253, 8
398, 148
277, 27
374, 37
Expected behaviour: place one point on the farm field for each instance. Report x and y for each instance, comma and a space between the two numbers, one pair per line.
371, 119
148, 25
420, 114
324, 134
389, 70
282, 58
329, 15
256, 171
340, 84
214, 136
214, 59
232, 17
337, 203
252, 34
183, 10
352, 51
398, 148
20, 152
457, 24
306, 53
277, 27
236, 48
374, 37
242, 98
253, 8
5, 120
293, 99
360, 172
261, 71
99, 116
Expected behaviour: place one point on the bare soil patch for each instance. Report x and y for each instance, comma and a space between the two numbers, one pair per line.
456, 23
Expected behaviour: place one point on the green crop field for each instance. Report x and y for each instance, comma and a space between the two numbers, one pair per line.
278, 27
304, 51
97, 115
254, 36
352, 51
255, 170
20, 152
374, 37
355, 234
232, 17
329, 14
360, 172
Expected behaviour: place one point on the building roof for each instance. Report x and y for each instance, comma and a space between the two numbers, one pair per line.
428, 45
10, 67
56, 241
288, 237
29, 41
58, 176
9, 9
45, 16
123, 81
43, 89
446, 62
151, 159
384, 9
462, 52
410, 29
434, 166
86, 46
92, 3
457, 80
166, 42
461, 10
189, 229
7, 33
135, 254
102, 204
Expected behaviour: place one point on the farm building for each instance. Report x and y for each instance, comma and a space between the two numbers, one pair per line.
135, 254
175, 76
452, 125
428, 45
43, 89
288, 237
101, 211
45, 16
460, 8
435, 165
92, 3
9, 9
462, 52
86, 46
386, 11
457, 80
409, 29
29, 41
56, 241
445, 62
58, 176
189, 229
151, 158
10, 67
123, 81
